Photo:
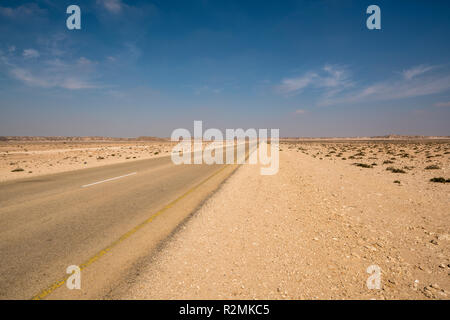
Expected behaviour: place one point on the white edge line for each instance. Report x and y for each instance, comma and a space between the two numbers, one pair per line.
115, 178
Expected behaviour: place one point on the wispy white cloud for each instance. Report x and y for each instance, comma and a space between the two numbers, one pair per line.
416, 71
393, 90
300, 111
56, 44
206, 89
113, 6
332, 78
49, 72
82, 61
76, 84
26, 77
133, 50
30, 53
296, 85
442, 104
336, 87
22, 11
50, 81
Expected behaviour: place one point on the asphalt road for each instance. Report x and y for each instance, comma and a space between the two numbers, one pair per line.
50, 222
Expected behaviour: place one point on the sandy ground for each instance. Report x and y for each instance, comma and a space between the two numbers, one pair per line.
25, 159
312, 230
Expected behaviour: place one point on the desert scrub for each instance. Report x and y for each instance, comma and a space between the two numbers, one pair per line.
394, 170
388, 162
397, 181
363, 165
405, 155
432, 167
440, 180
17, 170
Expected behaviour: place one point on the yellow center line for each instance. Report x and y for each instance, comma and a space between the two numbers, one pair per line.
44, 293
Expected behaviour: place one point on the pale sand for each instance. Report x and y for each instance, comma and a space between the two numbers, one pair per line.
312, 230
45, 158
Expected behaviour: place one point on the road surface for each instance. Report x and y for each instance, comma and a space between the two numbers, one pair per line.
50, 222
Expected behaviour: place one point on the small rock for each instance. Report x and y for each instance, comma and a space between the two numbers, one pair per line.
435, 286
443, 237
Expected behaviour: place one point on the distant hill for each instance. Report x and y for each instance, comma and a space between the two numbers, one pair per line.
385, 137
144, 138
158, 139
403, 137
76, 139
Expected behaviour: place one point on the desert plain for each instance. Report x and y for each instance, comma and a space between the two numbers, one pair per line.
311, 231
24, 157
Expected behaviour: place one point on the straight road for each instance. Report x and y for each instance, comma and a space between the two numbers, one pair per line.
50, 222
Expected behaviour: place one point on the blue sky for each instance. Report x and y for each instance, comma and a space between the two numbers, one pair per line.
309, 68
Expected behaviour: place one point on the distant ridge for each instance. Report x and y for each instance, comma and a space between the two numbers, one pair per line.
397, 136
156, 139
145, 138
89, 138
385, 137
